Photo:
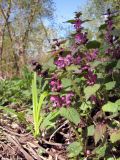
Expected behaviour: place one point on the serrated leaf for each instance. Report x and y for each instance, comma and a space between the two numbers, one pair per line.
90, 130
66, 82
91, 90
110, 107
71, 114
84, 106
72, 68
99, 132
93, 44
101, 150
74, 149
115, 136
110, 85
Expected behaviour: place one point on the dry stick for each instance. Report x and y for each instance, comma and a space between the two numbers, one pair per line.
58, 129
18, 145
51, 143
33, 152
13, 133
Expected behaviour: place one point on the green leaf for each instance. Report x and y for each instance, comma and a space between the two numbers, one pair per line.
99, 132
72, 68
86, 20
93, 44
103, 26
116, 32
48, 121
8, 110
110, 107
20, 115
71, 114
115, 136
91, 90
66, 82
118, 65
118, 104
74, 149
72, 21
85, 106
110, 85
101, 150
90, 130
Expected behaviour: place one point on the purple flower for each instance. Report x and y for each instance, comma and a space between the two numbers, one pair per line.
109, 24
91, 78
69, 98
56, 100
62, 101
93, 99
109, 37
77, 24
92, 56
60, 62
80, 38
77, 60
55, 84
68, 59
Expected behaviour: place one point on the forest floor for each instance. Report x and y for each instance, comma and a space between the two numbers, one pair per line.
16, 143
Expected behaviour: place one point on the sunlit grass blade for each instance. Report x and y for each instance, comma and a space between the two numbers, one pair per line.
37, 117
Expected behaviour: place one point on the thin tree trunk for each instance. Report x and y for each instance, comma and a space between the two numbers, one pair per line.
7, 24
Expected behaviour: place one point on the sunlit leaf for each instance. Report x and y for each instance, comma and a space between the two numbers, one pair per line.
90, 130
91, 90
110, 85
115, 136
71, 114
66, 82
110, 107
74, 149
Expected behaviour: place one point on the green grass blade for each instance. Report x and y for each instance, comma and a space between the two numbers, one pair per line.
41, 100
35, 101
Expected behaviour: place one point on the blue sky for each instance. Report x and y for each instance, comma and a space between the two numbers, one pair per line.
65, 8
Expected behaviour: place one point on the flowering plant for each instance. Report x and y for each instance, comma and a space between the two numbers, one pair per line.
83, 84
